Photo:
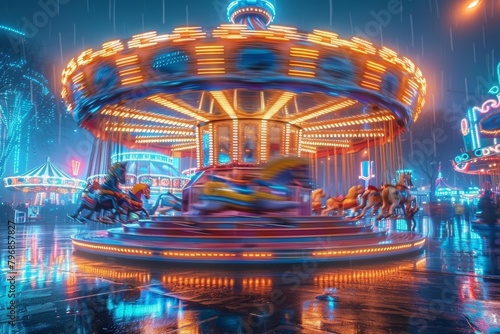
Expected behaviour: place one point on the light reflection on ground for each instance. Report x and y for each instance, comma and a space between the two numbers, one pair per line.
451, 287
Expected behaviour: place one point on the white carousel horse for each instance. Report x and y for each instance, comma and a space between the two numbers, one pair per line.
370, 199
350, 201
398, 195
316, 197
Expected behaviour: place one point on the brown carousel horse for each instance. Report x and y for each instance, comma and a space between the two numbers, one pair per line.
371, 199
398, 195
350, 201
316, 197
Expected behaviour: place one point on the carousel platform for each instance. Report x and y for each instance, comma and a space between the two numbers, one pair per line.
248, 240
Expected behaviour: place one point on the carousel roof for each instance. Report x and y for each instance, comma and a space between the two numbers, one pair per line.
166, 90
45, 178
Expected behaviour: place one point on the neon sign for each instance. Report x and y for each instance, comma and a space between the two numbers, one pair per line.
75, 167
464, 126
366, 170
478, 153
489, 105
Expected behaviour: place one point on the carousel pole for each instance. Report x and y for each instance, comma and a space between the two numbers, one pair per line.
328, 180
336, 170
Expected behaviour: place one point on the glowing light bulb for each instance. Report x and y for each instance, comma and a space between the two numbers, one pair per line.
473, 4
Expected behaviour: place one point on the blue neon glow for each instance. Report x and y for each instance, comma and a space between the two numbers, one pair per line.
15, 31
265, 4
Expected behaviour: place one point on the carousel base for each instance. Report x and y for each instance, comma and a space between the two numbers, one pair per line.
248, 240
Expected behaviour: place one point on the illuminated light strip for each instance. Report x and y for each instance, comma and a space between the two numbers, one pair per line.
133, 59
224, 103
184, 138
132, 80
184, 148
299, 148
280, 103
129, 71
346, 134
235, 140
287, 139
196, 254
375, 66
85, 57
298, 73
388, 55
199, 145
331, 108
116, 249
306, 150
123, 112
263, 140
381, 116
123, 127
370, 85
309, 147
142, 40
326, 144
332, 253
78, 78
141, 156
178, 146
304, 64
207, 71
164, 140
257, 254
169, 104
304, 51
211, 144
373, 78
368, 47
211, 61
111, 48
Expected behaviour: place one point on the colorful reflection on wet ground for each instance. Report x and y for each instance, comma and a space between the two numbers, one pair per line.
451, 287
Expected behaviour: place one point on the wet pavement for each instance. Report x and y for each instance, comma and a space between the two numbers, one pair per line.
453, 286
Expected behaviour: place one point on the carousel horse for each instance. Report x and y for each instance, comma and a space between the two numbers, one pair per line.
107, 196
269, 192
347, 202
398, 195
316, 196
132, 203
370, 199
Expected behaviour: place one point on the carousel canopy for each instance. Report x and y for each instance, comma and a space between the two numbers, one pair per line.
45, 178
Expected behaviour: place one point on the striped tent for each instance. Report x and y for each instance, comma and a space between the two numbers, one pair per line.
46, 178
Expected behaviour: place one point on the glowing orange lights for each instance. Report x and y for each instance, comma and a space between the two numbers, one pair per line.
113, 249
169, 112
473, 4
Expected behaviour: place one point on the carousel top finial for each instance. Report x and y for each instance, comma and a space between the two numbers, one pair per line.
256, 14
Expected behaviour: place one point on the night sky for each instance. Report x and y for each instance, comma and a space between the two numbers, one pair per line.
456, 49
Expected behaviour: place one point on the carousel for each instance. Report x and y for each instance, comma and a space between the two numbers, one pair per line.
256, 102
46, 182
